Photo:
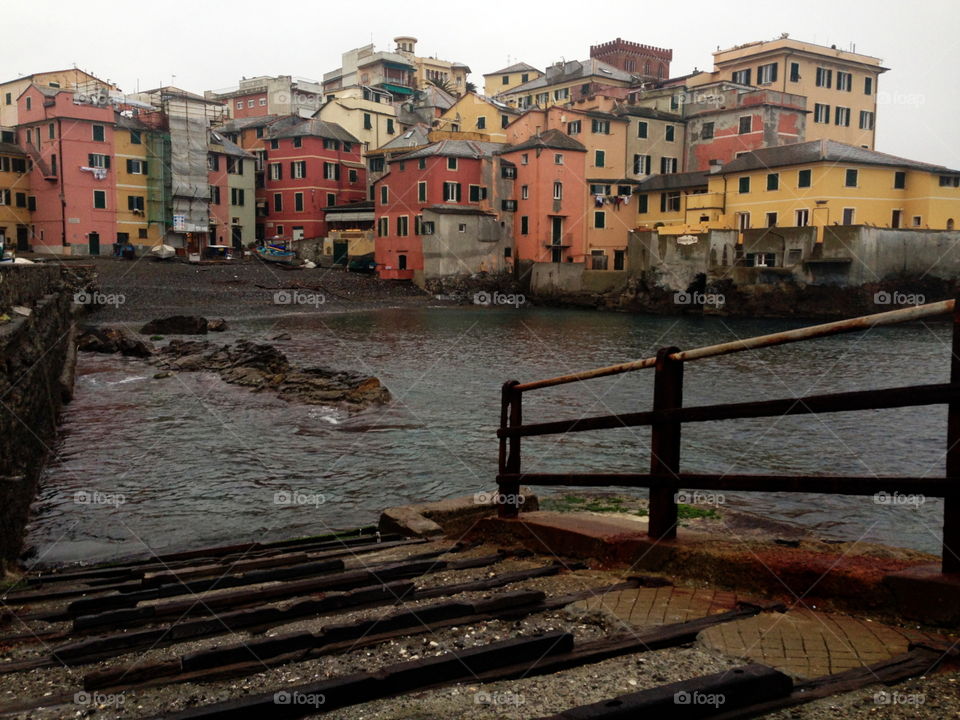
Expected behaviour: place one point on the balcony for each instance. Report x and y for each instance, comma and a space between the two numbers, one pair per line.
563, 241
705, 201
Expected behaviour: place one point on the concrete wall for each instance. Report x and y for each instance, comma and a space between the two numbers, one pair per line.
877, 253
556, 278
32, 354
675, 266
479, 247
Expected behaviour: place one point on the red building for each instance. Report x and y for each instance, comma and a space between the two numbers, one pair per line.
310, 165
73, 186
451, 174
647, 61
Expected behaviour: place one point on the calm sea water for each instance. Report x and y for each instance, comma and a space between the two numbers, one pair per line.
151, 465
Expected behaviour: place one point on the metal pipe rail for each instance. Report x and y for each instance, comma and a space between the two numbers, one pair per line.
668, 415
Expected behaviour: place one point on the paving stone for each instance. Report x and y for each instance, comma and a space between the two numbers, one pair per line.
644, 607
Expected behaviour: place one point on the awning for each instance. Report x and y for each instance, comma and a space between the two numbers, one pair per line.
350, 217
397, 89
352, 164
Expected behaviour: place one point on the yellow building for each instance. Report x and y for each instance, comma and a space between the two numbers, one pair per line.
368, 116
505, 80
476, 113
840, 86
71, 79
132, 162
429, 70
567, 82
819, 183
15, 199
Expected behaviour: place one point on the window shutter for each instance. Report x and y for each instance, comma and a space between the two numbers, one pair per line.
129, 166
459, 193
143, 166
90, 160
773, 75
336, 172
106, 161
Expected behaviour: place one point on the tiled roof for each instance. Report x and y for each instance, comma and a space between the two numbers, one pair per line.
574, 70
516, 67
457, 210
673, 181
218, 143
552, 139
312, 128
645, 112
9, 149
454, 148
238, 124
822, 151
412, 137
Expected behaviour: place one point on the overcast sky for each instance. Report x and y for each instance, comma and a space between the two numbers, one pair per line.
200, 45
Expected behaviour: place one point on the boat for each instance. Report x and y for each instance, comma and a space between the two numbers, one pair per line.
276, 252
162, 252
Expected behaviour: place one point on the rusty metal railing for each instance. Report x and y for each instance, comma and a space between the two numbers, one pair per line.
668, 415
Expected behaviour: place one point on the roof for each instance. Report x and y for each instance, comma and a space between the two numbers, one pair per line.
312, 128
645, 112
553, 139
130, 123
823, 151
349, 207
574, 70
457, 210
10, 149
57, 72
516, 67
238, 124
218, 143
454, 148
672, 181
415, 136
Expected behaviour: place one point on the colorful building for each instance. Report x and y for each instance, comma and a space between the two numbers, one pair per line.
476, 113
131, 153
310, 165
230, 177
71, 79
840, 85
648, 63
367, 67
369, 117
268, 95
506, 79
15, 198
565, 82
432, 70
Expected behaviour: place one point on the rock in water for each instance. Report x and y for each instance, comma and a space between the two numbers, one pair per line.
176, 325
216, 325
113, 340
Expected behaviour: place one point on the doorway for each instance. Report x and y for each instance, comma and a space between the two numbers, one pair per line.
93, 240
23, 238
556, 238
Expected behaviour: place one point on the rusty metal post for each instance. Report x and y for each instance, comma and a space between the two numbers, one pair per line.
665, 444
511, 415
951, 503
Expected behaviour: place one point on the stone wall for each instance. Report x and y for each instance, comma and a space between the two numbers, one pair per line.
33, 349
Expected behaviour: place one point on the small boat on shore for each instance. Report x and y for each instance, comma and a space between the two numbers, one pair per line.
162, 252
276, 252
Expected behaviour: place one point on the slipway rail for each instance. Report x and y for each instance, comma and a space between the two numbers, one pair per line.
668, 415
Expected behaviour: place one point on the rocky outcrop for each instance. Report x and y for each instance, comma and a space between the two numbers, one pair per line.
177, 325
112, 340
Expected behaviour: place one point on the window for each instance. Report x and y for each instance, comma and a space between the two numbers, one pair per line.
851, 178
618, 258
481, 122
670, 201
383, 226
599, 158
462, 227
213, 162
451, 163
821, 113
422, 164
600, 127
298, 202
599, 189
236, 196
276, 171
376, 164
804, 178
239, 104
136, 167
135, 137
215, 194
53, 164
525, 77
96, 160
8, 99
599, 219
506, 79
135, 203
824, 77
367, 122
524, 192
29, 103
524, 159
100, 199
354, 177
504, 120
384, 194
868, 86
573, 128
641, 164
20, 199
866, 120
51, 131
743, 221
477, 193
917, 221
331, 171
744, 185
794, 72
421, 191
331, 199
945, 180
899, 180
249, 103
403, 226
668, 133
278, 202
558, 191
262, 102
451, 192
558, 158
99, 134
508, 171
848, 216
844, 81
389, 126
234, 166
274, 144
642, 129
543, 98
771, 219
598, 259
328, 144
674, 102
643, 203
298, 169
508, 205
767, 74
773, 181
706, 132
668, 165
524, 225
802, 218
142, 233
842, 116
741, 77
746, 124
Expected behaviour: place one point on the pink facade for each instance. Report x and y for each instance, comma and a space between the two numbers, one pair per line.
252, 105
71, 146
